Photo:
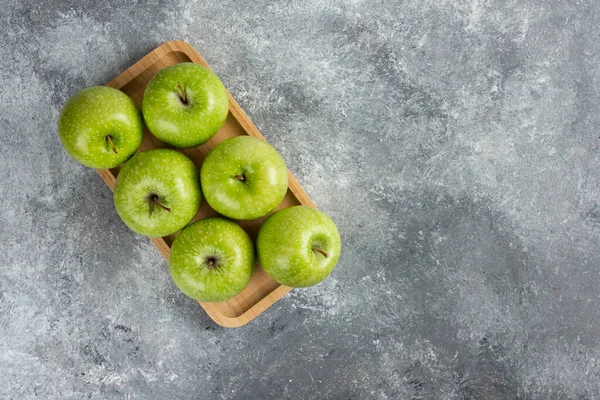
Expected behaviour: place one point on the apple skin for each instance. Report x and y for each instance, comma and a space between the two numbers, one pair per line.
186, 123
90, 117
157, 192
244, 178
287, 246
212, 260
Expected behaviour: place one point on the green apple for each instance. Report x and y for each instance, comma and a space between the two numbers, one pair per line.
185, 105
157, 192
100, 127
244, 178
212, 260
298, 246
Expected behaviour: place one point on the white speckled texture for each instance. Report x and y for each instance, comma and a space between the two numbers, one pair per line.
191, 123
166, 175
244, 178
298, 246
230, 252
100, 127
455, 143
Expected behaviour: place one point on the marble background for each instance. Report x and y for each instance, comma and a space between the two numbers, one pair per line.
455, 143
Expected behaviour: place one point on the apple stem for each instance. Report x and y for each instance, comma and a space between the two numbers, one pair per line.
111, 144
155, 201
212, 262
183, 96
241, 178
322, 252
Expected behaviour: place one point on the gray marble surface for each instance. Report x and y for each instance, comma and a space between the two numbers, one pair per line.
455, 143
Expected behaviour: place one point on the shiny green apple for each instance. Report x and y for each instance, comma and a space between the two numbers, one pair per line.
157, 192
100, 127
212, 260
185, 105
244, 178
298, 246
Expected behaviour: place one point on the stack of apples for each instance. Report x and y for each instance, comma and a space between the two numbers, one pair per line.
158, 192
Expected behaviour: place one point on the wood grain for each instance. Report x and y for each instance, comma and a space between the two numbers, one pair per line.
262, 291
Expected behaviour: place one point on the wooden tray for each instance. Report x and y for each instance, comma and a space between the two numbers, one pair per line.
262, 291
